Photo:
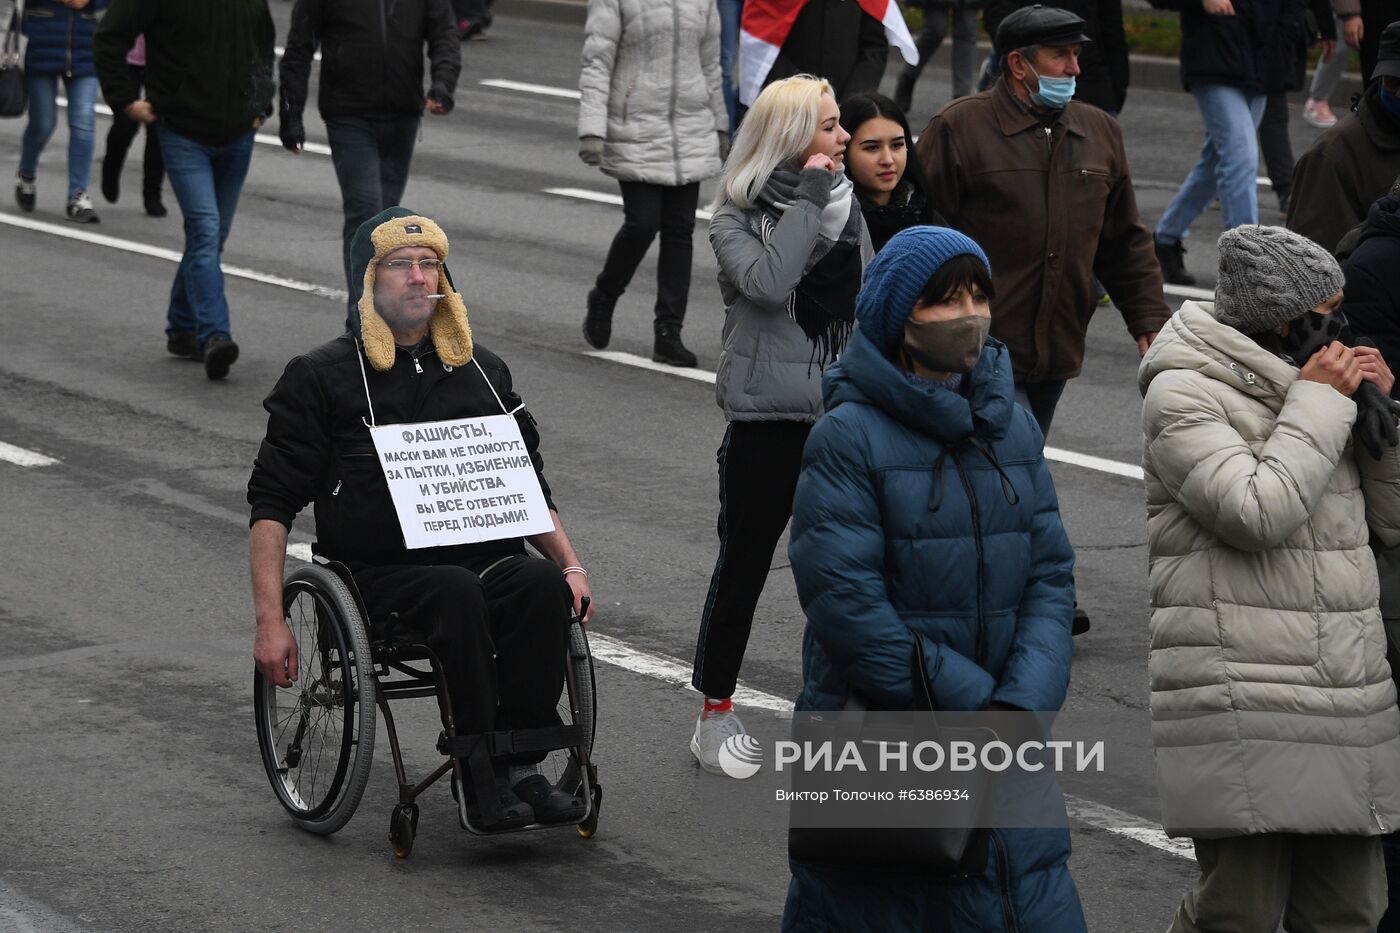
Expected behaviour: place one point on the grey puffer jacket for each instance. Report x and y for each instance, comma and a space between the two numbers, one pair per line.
651, 88
767, 367
1273, 709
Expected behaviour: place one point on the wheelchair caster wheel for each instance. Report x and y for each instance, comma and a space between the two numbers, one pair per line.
589, 826
403, 825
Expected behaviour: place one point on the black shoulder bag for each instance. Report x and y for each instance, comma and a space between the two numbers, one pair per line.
14, 98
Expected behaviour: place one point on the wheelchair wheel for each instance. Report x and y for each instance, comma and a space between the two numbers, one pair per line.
317, 736
564, 768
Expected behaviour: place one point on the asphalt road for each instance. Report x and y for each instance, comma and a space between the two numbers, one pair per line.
133, 794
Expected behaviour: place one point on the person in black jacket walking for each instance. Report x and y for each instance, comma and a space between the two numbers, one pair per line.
835, 40
1234, 53
371, 95
209, 87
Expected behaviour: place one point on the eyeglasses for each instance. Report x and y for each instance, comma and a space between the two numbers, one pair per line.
425, 266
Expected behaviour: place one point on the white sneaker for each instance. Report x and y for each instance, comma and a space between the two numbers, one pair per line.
1317, 113
711, 731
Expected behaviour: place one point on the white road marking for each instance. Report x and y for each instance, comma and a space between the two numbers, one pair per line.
1127, 826
22, 457
1055, 454
170, 255
641, 362
603, 197
1086, 461
543, 90
267, 139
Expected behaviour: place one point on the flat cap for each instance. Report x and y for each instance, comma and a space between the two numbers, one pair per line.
1039, 25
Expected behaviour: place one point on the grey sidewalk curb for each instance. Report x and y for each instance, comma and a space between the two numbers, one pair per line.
1148, 72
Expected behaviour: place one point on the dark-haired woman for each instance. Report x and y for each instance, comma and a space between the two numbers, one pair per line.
883, 167
968, 563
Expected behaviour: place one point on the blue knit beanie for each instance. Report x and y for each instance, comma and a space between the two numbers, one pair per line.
897, 275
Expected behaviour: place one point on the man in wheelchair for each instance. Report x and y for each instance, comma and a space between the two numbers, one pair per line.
496, 618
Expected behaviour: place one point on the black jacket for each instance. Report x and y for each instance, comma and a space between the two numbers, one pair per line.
908, 207
1103, 63
208, 63
1372, 293
318, 449
836, 40
371, 56
1256, 50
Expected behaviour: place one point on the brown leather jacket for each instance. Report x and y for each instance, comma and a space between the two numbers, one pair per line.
1053, 208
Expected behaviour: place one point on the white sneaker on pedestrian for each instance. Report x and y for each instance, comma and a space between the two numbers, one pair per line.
711, 731
1317, 113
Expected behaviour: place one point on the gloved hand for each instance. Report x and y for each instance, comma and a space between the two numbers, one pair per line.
1375, 420
291, 131
590, 150
723, 145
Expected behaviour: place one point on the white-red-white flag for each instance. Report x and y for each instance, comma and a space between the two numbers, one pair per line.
766, 24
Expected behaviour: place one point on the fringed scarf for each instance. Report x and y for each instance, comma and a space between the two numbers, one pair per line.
824, 302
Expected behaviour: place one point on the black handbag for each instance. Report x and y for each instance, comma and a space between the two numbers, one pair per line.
950, 850
14, 97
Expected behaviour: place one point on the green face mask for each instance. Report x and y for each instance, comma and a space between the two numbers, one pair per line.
947, 346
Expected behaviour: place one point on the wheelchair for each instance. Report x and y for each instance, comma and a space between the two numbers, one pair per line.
317, 737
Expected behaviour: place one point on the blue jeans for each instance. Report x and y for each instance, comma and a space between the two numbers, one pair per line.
207, 181
371, 157
1228, 165
43, 117
730, 12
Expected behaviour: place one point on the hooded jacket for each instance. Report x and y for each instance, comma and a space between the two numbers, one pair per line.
651, 88
1344, 171
926, 514
60, 39
208, 63
371, 56
1273, 709
1054, 208
1371, 299
318, 448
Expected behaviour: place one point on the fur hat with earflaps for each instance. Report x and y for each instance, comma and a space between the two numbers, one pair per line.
391, 229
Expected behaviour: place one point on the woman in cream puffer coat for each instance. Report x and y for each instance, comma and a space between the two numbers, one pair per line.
651, 115
1273, 711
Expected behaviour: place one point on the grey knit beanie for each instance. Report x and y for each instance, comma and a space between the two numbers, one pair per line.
1269, 275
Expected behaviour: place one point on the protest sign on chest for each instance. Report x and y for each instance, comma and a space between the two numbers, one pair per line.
461, 481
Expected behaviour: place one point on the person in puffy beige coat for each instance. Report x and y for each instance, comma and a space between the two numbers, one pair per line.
1273, 712
651, 115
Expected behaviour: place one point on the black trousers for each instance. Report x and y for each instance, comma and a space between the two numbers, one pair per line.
758, 466
646, 211
500, 629
1275, 144
121, 134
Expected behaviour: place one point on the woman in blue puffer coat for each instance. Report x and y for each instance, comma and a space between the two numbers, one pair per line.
925, 511
60, 46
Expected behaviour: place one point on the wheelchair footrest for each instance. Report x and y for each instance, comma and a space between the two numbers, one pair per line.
514, 742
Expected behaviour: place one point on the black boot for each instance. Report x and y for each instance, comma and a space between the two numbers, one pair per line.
904, 93
669, 349
111, 179
597, 323
1080, 625
1172, 259
154, 207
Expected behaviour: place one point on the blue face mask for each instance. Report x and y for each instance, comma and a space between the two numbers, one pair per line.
1054, 93
1390, 102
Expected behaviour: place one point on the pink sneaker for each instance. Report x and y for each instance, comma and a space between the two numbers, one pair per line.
1317, 113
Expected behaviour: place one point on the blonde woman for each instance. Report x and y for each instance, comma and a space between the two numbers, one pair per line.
791, 245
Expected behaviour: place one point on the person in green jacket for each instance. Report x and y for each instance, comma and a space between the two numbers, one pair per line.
209, 87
